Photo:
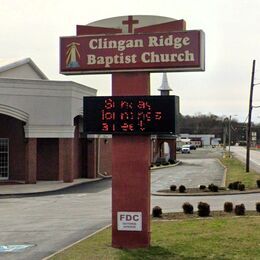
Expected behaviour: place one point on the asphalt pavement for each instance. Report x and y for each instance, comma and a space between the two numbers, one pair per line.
57, 218
191, 173
240, 153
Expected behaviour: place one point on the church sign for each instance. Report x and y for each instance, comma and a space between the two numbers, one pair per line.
120, 45
167, 51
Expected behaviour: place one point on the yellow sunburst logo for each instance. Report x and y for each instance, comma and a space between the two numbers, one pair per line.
72, 55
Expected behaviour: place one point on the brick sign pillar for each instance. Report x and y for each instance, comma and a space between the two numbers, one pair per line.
130, 167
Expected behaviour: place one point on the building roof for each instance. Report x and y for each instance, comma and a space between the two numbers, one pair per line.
8, 64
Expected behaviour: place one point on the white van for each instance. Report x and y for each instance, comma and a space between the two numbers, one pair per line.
185, 148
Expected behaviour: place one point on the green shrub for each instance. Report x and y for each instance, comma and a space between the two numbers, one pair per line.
234, 185
202, 187
258, 183
165, 163
212, 187
241, 187
228, 206
240, 209
203, 209
171, 161
157, 212
173, 187
230, 186
182, 189
187, 208
257, 205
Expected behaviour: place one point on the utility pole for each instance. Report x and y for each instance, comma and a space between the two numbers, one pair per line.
248, 141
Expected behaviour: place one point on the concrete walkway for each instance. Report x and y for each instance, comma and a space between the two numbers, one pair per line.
40, 187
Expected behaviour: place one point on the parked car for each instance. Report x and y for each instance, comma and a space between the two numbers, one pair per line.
193, 147
185, 148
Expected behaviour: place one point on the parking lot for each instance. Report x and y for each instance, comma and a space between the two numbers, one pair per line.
202, 152
191, 173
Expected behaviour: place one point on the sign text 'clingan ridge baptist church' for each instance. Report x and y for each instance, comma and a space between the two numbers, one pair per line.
169, 51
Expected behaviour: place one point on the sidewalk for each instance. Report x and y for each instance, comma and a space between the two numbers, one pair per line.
40, 187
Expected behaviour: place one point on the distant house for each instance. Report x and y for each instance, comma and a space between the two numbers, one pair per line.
199, 139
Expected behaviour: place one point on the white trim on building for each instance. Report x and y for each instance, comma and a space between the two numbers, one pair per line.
47, 107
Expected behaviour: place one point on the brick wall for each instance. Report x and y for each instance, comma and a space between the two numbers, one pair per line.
47, 159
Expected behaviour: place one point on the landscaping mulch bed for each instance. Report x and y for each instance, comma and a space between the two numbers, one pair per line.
193, 190
206, 191
213, 214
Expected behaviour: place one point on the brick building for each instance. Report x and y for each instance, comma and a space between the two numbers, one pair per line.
41, 128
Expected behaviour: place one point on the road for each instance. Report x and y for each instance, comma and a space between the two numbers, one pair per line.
206, 167
49, 223
240, 153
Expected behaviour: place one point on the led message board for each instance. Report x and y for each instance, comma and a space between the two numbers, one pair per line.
131, 115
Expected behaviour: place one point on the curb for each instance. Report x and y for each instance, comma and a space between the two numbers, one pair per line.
225, 173
48, 192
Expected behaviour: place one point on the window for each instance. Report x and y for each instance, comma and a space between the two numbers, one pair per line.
4, 158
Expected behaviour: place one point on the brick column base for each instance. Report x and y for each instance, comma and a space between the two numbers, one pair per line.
92, 157
31, 161
66, 159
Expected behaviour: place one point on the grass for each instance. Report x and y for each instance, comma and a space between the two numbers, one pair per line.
222, 236
236, 172
204, 238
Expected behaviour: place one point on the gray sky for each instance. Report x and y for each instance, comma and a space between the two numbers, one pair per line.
232, 29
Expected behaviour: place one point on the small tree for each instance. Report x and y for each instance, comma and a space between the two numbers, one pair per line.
241, 186
157, 212
182, 189
202, 187
228, 207
173, 187
187, 208
240, 209
203, 209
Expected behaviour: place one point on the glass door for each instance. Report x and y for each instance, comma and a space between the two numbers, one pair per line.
4, 158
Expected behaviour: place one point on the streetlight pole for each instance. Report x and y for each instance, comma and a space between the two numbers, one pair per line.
225, 134
229, 135
248, 140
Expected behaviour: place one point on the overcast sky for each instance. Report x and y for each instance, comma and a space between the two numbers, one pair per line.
232, 29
